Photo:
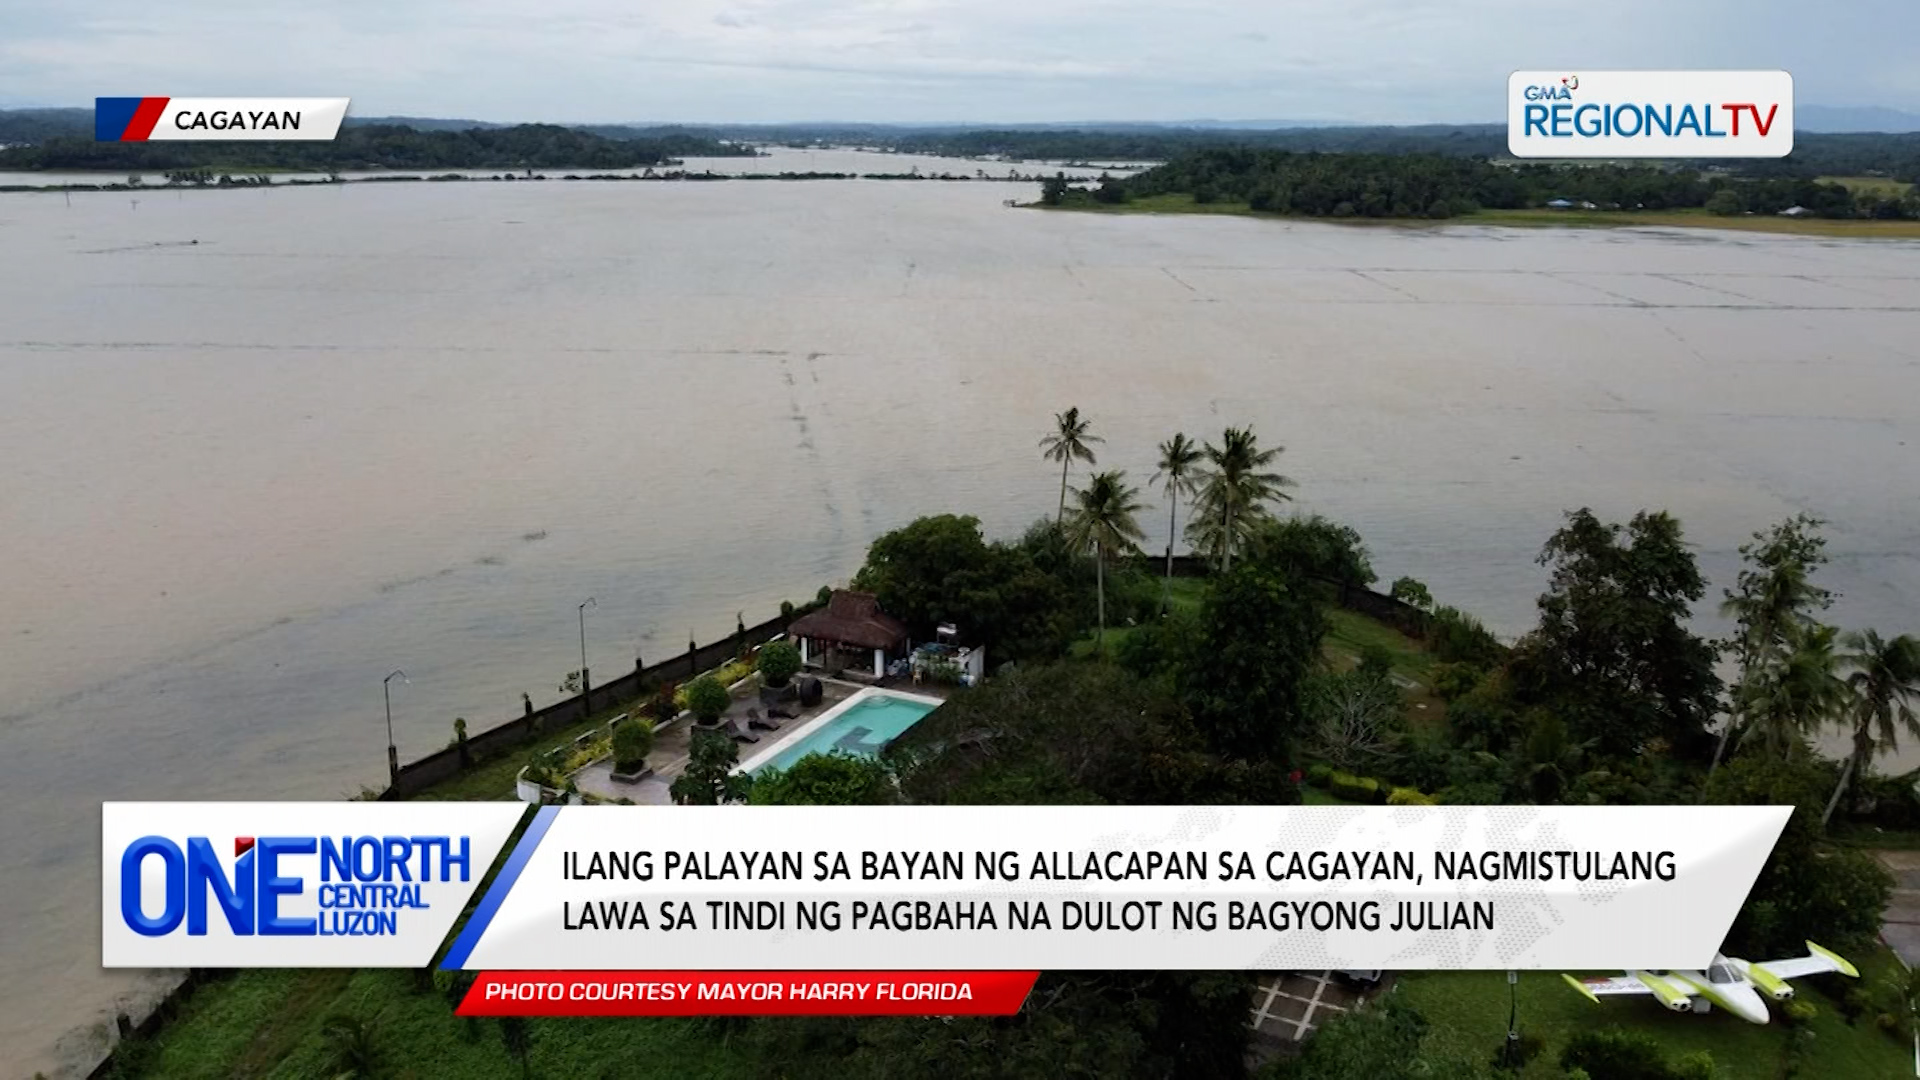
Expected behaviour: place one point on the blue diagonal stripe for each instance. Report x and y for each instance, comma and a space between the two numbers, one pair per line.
456, 957
111, 115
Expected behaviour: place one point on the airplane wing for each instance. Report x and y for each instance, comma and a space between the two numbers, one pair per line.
1639, 982
1598, 988
1817, 961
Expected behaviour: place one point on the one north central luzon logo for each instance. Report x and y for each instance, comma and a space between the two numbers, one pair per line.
366, 883
1555, 111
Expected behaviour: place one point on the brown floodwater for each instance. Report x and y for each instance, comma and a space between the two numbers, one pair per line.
263, 447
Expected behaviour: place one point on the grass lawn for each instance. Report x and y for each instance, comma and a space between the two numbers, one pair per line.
1186, 594
1468, 1013
267, 1023
1689, 219
1882, 186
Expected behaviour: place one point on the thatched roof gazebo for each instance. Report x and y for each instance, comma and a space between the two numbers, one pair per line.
851, 622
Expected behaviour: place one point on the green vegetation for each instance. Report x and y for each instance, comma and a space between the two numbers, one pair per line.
707, 697
778, 662
632, 742
526, 146
1467, 1014
1402, 187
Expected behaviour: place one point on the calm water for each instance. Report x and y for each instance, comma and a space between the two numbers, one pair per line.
862, 730
265, 446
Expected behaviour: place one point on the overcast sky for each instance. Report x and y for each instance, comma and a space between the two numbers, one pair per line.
1372, 61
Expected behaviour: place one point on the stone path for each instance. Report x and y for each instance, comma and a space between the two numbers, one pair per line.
1900, 923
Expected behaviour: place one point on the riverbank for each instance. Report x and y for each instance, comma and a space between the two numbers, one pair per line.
1538, 218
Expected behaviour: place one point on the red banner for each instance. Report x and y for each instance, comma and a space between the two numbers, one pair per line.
748, 993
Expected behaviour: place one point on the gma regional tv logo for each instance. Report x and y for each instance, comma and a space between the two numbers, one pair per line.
176, 119
1650, 114
290, 884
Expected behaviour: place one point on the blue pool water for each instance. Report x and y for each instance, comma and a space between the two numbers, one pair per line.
864, 730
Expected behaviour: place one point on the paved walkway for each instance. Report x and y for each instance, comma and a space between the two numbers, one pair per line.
1288, 1006
1900, 923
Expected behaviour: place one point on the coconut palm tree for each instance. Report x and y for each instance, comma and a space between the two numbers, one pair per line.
1796, 694
1885, 679
1071, 438
1234, 491
1103, 523
1772, 601
1180, 459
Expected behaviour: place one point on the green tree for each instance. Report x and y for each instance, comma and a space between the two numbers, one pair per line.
826, 780
1772, 599
1103, 522
778, 662
1179, 473
1808, 889
1314, 547
709, 778
632, 742
1884, 681
1410, 591
1072, 438
1725, 202
1259, 635
1613, 655
707, 699
1790, 697
1234, 491
1014, 597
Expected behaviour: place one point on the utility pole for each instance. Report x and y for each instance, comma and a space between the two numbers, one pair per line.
586, 684
386, 691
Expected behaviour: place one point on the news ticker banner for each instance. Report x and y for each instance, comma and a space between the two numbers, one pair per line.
1650, 114
182, 119
1019, 888
290, 884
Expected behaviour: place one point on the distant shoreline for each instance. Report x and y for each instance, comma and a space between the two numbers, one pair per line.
1532, 218
260, 180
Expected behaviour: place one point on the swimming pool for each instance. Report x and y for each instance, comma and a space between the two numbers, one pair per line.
862, 725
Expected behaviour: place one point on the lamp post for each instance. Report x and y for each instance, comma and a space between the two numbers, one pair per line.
1510, 1050
586, 685
386, 691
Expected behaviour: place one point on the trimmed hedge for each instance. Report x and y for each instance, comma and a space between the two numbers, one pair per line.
1406, 796
1365, 789
1319, 774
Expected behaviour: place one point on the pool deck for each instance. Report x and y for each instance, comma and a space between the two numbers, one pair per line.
671, 744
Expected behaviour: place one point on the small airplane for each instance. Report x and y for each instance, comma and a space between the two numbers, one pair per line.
1729, 982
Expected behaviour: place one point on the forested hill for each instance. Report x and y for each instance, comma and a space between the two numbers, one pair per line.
535, 146
1442, 186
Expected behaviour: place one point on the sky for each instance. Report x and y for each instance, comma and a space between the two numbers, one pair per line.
755, 61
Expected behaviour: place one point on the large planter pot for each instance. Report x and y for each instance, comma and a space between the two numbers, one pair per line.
774, 695
641, 773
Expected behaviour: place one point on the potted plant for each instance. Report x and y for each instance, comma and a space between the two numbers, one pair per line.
779, 662
632, 742
707, 699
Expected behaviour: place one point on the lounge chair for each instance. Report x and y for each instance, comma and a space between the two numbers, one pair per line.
738, 729
754, 721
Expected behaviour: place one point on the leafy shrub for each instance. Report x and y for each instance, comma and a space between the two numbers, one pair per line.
778, 662
708, 698
540, 770
1618, 1055
665, 704
1355, 788
1406, 796
632, 742
1453, 681
1456, 637
1319, 774
1314, 546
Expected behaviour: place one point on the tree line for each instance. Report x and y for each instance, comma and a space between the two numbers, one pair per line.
1440, 186
538, 146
